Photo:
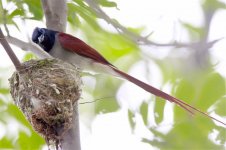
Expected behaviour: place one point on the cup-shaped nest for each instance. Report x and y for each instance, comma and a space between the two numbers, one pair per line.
47, 91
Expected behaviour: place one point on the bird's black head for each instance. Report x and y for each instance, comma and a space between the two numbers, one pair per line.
45, 38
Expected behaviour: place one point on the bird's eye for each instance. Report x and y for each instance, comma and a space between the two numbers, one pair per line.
41, 38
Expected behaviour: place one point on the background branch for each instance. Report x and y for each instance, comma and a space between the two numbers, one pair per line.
138, 39
9, 51
28, 47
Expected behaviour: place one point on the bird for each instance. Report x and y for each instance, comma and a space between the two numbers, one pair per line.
75, 51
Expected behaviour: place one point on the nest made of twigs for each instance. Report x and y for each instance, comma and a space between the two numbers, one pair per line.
47, 91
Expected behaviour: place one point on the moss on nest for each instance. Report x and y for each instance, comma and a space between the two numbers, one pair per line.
47, 91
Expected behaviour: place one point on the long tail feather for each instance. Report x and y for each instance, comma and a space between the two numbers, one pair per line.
163, 95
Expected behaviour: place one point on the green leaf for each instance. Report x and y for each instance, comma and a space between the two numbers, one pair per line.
1, 11
211, 90
35, 8
2, 103
29, 56
185, 90
72, 16
4, 17
112, 46
6, 143
213, 5
84, 12
106, 3
131, 119
80, 3
194, 135
221, 137
108, 104
24, 141
14, 111
194, 31
144, 112
210, 86
220, 106
4, 90
159, 108
16, 12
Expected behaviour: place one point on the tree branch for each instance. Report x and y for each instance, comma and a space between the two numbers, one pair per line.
56, 18
9, 51
71, 140
28, 47
139, 40
56, 14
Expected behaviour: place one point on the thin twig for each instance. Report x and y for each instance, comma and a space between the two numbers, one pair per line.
9, 51
138, 39
99, 99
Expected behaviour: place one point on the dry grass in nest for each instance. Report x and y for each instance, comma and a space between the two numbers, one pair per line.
47, 91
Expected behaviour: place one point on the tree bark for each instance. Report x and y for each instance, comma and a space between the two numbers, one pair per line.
55, 13
71, 140
56, 18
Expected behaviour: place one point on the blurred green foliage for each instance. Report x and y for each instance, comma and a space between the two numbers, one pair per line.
12, 119
202, 89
